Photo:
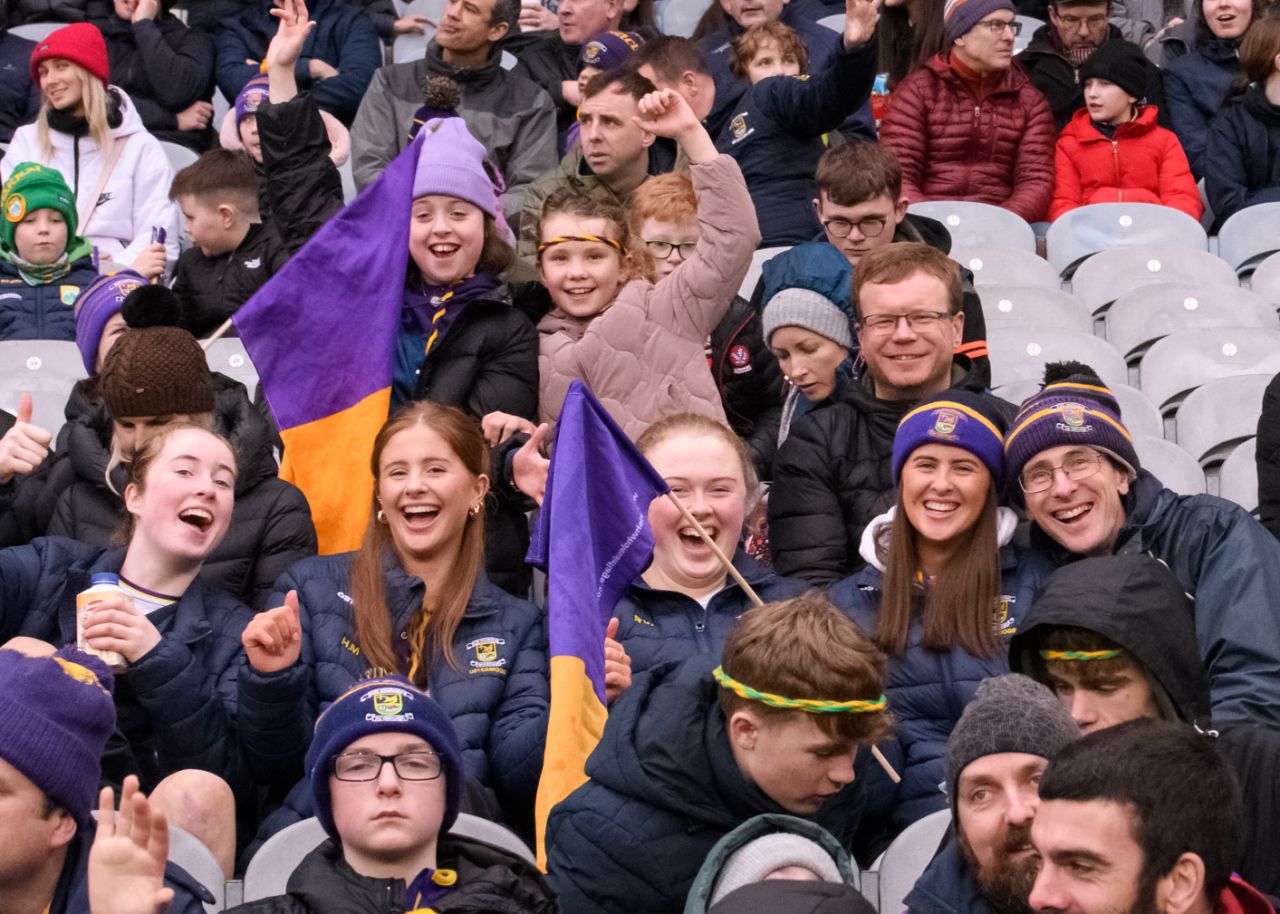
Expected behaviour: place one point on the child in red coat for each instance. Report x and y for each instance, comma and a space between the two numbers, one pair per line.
1112, 150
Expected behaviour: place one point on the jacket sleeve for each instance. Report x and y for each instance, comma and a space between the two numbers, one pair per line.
193, 708
596, 865
518, 737
1268, 458
693, 299
1033, 171
1177, 186
359, 55
806, 525
19, 584
507, 380
1187, 120
1068, 192
179, 68
905, 131
533, 153
152, 207
289, 537
373, 133
302, 182
231, 50
814, 106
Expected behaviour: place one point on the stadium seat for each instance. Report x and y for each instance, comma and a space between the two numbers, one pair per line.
906, 858
1107, 275
1139, 414
408, 48
46, 369
1086, 230
1170, 464
1029, 26
187, 851
349, 189
1207, 217
1238, 476
35, 31
1020, 353
994, 265
979, 224
1182, 361
1216, 417
680, 17
834, 22
228, 357
220, 107
1249, 236
1266, 279
179, 156
758, 260
1029, 306
1142, 316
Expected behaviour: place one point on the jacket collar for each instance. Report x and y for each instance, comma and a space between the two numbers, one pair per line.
1006, 526
1081, 126
190, 617
478, 77
948, 886
751, 570
1011, 80
404, 593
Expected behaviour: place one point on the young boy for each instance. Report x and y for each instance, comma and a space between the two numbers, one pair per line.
387, 783
768, 49
693, 750
232, 252
43, 264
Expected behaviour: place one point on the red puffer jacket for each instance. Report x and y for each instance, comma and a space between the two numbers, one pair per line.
952, 147
1144, 163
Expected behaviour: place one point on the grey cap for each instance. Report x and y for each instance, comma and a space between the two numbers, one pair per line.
1010, 713
797, 307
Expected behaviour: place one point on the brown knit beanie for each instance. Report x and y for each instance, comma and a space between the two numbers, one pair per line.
156, 371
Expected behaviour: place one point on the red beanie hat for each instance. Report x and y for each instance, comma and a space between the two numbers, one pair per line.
80, 43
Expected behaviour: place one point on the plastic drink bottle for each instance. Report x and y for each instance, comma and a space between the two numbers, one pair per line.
100, 584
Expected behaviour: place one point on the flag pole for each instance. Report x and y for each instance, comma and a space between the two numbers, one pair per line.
216, 335
755, 598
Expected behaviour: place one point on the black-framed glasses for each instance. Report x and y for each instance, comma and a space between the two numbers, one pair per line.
919, 321
419, 765
997, 26
1075, 467
663, 249
870, 227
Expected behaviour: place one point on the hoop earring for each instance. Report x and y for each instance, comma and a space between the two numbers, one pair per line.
380, 517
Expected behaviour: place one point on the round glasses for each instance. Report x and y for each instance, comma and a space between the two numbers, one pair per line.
419, 765
1075, 467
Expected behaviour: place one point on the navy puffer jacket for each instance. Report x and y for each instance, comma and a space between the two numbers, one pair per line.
929, 689
497, 698
1195, 85
42, 312
177, 704
661, 626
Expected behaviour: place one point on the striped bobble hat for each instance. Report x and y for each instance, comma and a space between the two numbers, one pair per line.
959, 16
956, 418
1073, 407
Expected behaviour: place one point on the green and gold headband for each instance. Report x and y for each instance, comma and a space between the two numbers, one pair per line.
811, 705
1080, 655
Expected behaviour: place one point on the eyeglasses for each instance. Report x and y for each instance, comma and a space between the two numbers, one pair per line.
919, 321
662, 249
1075, 467
997, 26
1073, 22
870, 227
419, 765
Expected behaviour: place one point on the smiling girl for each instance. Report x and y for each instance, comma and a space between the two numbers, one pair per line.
944, 589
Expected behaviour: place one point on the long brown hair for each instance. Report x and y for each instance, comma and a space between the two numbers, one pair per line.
905, 46
432, 628
961, 599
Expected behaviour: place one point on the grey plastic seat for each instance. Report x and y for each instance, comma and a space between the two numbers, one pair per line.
1238, 476
758, 260
1029, 26
979, 224
1217, 416
46, 369
179, 156
1019, 353
1031, 306
1087, 230
36, 31
997, 265
1249, 236
1106, 276
1266, 279
1139, 414
1140, 317
1170, 464
228, 357
1182, 361
905, 860
680, 17
187, 851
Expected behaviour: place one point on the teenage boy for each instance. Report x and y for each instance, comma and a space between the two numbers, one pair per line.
693, 750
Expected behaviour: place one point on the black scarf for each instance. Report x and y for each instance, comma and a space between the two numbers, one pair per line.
64, 120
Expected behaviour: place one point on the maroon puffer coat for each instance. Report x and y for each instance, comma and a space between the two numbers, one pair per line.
952, 147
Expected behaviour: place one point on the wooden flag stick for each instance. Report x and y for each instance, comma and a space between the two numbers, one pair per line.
755, 598
217, 335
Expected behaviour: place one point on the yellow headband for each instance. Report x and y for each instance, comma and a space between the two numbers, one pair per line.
1080, 655
810, 705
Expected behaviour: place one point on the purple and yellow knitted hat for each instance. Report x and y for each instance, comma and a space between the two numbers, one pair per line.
956, 418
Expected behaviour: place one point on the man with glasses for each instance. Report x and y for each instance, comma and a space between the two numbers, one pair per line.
1058, 50
387, 783
969, 125
833, 474
1087, 495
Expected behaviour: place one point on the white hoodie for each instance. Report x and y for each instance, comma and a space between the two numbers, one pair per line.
135, 197
1006, 525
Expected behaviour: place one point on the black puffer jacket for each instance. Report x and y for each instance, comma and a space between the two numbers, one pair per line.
1268, 458
212, 289
833, 475
270, 527
750, 383
1244, 147
165, 67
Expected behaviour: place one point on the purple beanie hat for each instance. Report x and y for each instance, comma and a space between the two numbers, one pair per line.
56, 714
451, 161
251, 98
610, 50
959, 16
95, 305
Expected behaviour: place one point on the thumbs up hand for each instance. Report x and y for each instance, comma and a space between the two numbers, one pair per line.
25, 446
273, 640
